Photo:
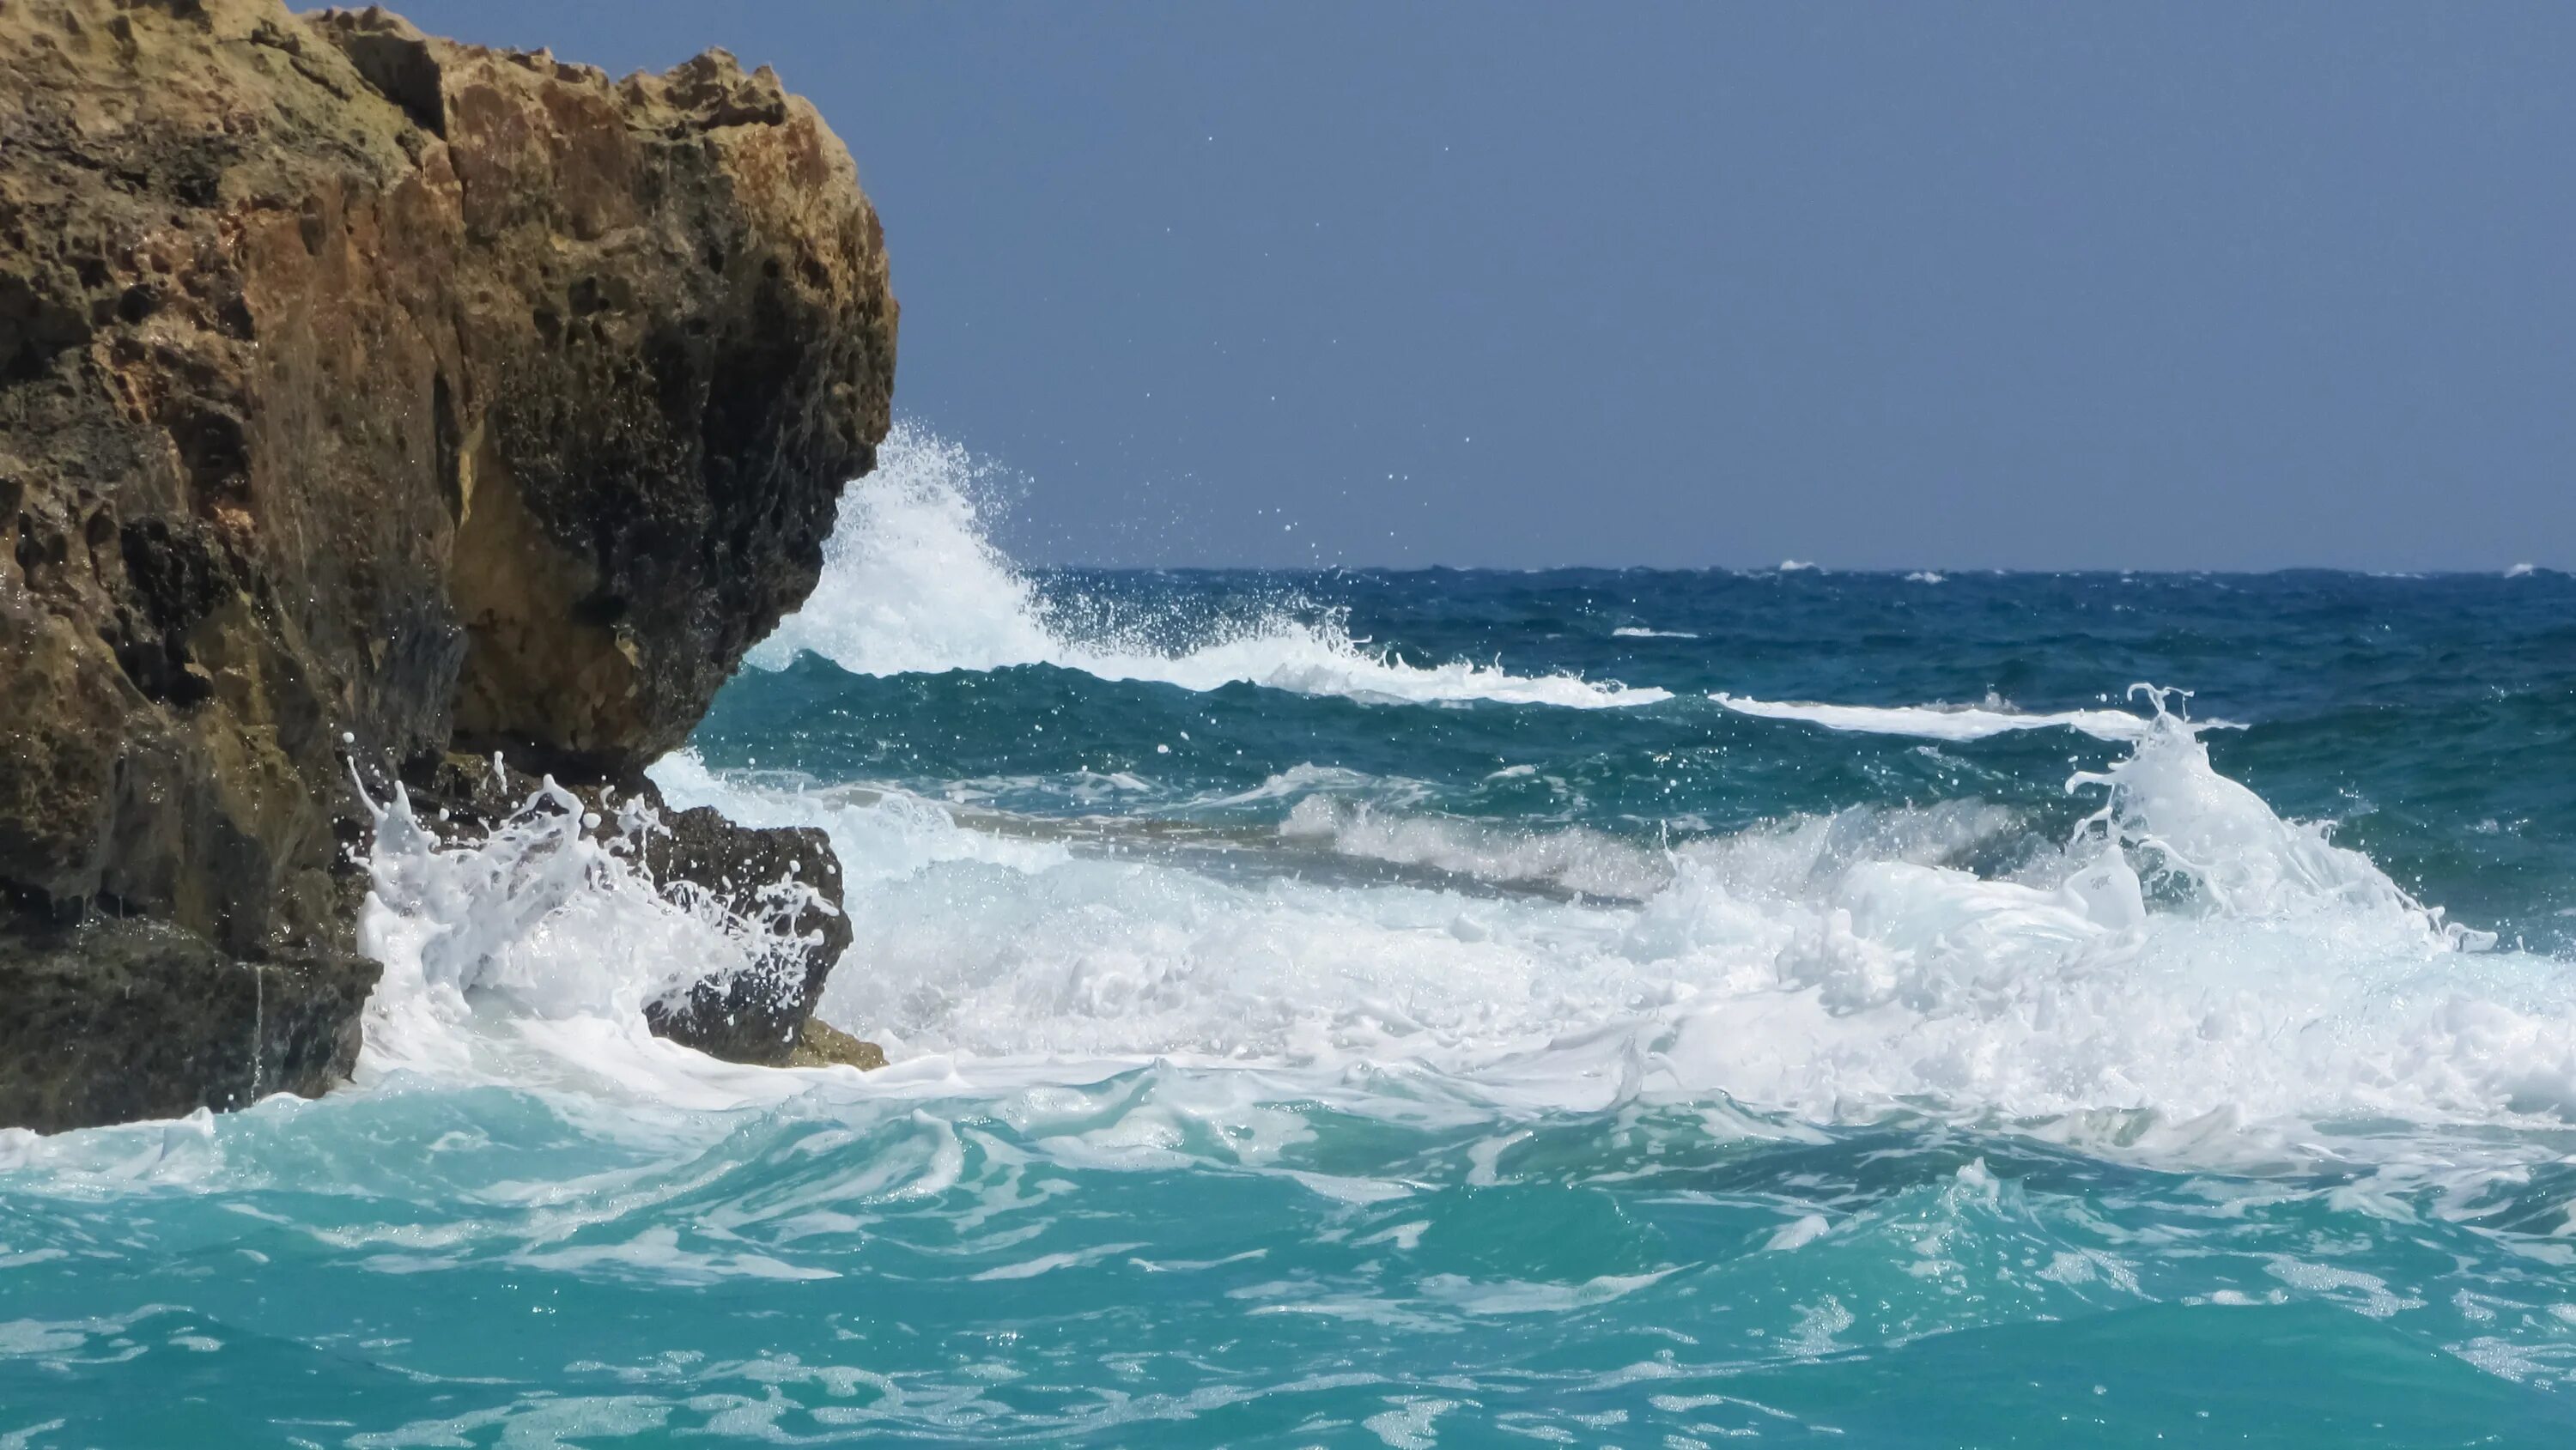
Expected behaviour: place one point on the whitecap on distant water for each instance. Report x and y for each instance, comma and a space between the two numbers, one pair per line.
2520, 571
1925, 576
1632, 631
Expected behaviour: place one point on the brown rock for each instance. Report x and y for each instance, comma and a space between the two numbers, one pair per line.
367, 395
824, 1045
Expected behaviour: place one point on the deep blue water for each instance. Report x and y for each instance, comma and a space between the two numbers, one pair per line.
1316, 1053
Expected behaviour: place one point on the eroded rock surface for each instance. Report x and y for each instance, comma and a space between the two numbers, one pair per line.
367, 396
109, 1020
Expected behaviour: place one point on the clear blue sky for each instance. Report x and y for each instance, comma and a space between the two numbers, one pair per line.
1464, 282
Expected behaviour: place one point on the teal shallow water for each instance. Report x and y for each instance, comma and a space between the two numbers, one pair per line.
1330, 1010
1109, 1265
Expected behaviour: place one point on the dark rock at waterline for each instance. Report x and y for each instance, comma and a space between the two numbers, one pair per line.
761, 1016
364, 395
756, 1017
109, 1020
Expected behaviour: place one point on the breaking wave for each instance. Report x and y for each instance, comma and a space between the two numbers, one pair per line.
2186, 958
912, 583
2185, 952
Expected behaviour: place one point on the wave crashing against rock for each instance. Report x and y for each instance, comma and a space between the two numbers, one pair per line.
369, 398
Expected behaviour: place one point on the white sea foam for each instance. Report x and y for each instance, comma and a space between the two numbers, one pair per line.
1948, 722
912, 583
530, 955
1839, 968
1632, 631
2185, 969
2188, 968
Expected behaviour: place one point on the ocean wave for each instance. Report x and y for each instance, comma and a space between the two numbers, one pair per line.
912, 583
2185, 957
2188, 952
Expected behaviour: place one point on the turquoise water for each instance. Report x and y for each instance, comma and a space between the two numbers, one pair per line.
1412, 1009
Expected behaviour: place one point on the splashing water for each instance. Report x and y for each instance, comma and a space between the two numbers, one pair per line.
530, 951
1846, 968
912, 584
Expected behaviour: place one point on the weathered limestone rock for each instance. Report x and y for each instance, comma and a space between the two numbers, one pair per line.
824, 1045
365, 395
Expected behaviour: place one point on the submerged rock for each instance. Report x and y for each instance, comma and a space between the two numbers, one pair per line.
365, 396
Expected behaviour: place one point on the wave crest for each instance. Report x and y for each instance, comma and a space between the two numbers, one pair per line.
2186, 952
913, 584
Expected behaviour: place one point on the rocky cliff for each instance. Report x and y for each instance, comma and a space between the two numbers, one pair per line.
365, 398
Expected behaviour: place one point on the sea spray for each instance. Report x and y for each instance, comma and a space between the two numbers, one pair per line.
550, 915
2221, 841
912, 583
1846, 968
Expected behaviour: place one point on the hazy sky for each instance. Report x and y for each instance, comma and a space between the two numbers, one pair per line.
2036, 285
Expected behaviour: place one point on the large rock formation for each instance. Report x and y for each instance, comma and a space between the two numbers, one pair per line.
365, 397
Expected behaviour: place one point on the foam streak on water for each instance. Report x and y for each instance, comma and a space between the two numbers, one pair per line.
1941, 722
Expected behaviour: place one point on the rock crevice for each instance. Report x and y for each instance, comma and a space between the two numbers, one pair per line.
366, 396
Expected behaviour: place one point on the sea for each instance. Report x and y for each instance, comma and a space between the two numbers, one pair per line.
1407, 1009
